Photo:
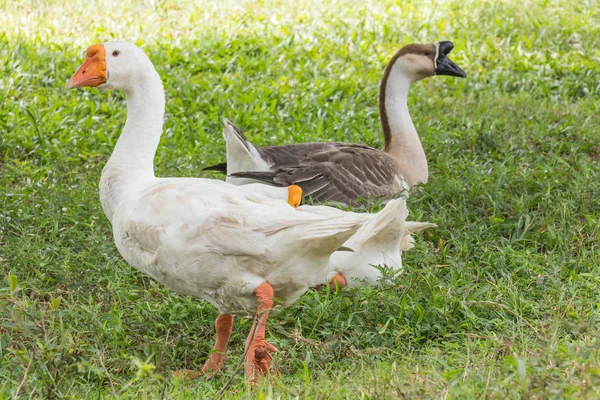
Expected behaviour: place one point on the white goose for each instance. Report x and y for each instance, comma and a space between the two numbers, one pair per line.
209, 239
343, 172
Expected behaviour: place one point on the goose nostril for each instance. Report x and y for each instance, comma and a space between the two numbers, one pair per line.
83, 72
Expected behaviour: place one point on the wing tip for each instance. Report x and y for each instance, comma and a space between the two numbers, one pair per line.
221, 167
230, 128
266, 177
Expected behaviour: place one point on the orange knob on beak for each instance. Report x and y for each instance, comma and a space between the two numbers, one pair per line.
93, 71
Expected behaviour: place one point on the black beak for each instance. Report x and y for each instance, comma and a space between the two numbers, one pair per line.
445, 66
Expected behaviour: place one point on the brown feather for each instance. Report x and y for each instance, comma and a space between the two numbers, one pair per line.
337, 172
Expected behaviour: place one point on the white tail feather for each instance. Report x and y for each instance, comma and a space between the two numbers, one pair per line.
387, 226
411, 227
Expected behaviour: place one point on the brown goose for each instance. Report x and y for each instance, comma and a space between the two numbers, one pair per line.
344, 172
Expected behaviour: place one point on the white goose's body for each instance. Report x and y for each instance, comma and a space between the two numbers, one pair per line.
343, 172
207, 238
211, 240
242, 251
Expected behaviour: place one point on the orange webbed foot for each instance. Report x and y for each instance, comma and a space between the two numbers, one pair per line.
258, 350
259, 361
211, 367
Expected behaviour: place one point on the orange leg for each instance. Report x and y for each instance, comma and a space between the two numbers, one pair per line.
223, 326
258, 359
338, 280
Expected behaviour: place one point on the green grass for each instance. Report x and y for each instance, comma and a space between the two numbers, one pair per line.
501, 301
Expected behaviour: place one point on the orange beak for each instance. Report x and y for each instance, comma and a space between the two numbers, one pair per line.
93, 71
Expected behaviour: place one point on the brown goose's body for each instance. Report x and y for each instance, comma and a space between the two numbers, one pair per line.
344, 172
336, 172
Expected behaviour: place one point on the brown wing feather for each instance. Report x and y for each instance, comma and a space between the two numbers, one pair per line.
337, 172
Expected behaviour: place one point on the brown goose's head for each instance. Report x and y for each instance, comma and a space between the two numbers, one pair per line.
411, 63
419, 61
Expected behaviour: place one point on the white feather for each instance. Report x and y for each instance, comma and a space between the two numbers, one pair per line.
379, 242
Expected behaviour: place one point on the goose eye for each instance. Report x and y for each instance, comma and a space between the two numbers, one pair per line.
427, 53
116, 53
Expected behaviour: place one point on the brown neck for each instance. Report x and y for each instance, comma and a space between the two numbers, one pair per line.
383, 115
401, 140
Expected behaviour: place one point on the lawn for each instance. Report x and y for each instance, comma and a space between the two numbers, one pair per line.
502, 300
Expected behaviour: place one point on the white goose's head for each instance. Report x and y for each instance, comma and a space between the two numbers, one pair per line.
419, 61
112, 65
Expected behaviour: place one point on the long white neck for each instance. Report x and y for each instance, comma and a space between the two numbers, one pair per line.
132, 161
402, 142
